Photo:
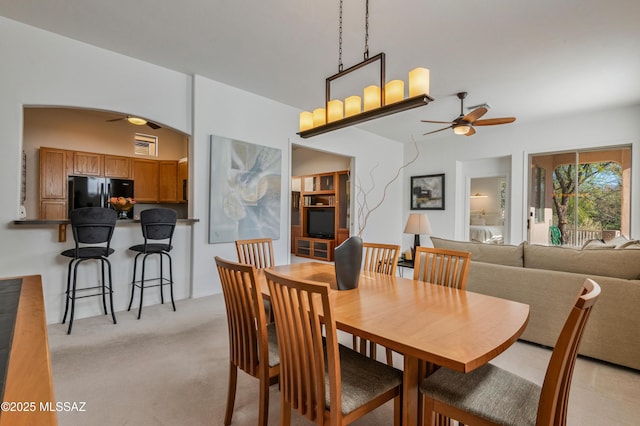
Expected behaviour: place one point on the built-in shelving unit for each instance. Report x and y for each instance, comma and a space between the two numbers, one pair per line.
319, 214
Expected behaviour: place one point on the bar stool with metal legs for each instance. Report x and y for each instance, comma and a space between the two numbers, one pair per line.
90, 226
157, 225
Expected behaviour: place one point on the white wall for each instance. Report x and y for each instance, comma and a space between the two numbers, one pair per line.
453, 156
41, 68
246, 117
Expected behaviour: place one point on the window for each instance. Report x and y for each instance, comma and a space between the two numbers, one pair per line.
146, 145
580, 195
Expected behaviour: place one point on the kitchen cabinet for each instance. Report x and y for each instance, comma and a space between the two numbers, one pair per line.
87, 164
117, 167
168, 181
53, 183
155, 181
53, 209
145, 174
183, 180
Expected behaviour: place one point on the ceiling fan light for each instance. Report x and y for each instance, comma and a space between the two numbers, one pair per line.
461, 129
137, 121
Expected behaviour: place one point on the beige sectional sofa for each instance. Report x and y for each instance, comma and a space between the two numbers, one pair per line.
548, 279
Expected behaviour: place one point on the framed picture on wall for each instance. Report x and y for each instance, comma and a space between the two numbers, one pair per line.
427, 192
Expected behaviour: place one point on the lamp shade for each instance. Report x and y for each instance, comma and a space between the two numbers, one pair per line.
418, 81
319, 117
306, 120
418, 224
352, 106
393, 91
336, 110
371, 97
137, 121
461, 129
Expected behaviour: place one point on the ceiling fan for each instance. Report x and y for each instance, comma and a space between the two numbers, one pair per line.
138, 121
463, 124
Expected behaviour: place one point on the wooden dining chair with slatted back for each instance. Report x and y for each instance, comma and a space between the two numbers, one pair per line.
253, 346
325, 382
257, 252
440, 266
490, 395
381, 258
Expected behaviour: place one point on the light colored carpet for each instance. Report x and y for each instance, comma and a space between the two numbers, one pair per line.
170, 368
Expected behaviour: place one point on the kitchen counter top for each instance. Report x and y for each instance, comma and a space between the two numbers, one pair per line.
67, 222
62, 224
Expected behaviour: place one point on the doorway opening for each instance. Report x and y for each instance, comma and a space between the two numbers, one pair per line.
321, 202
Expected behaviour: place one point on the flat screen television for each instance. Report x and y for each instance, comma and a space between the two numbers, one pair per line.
320, 223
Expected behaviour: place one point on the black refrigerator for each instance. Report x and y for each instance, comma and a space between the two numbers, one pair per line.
87, 191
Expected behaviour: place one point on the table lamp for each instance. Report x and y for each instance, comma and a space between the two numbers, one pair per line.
417, 224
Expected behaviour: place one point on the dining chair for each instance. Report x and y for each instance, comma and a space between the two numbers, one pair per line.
381, 258
257, 252
326, 382
441, 266
490, 395
253, 346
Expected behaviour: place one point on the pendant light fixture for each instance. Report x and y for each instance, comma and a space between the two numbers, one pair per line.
378, 101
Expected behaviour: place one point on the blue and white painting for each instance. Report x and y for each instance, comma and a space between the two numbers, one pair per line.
245, 191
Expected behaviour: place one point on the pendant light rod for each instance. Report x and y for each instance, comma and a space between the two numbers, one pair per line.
403, 105
332, 116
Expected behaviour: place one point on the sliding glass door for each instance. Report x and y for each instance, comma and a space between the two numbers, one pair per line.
578, 196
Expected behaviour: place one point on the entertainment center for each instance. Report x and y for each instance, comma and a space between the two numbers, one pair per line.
319, 214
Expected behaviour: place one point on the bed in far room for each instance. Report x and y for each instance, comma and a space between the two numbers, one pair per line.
486, 227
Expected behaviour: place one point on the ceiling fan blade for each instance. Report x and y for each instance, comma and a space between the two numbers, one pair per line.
437, 122
471, 131
439, 130
116, 119
493, 121
153, 125
475, 114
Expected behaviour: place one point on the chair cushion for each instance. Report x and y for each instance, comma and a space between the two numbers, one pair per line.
488, 392
363, 379
151, 248
274, 353
88, 252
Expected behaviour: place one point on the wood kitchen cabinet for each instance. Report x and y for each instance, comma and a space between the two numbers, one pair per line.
117, 167
87, 163
53, 183
145, 174
183, 181
168, 181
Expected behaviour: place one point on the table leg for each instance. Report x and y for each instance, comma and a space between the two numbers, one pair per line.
410, 390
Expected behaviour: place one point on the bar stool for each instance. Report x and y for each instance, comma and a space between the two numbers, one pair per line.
90, 225
157, 224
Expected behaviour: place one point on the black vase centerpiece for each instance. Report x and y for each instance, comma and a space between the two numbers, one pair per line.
348, 262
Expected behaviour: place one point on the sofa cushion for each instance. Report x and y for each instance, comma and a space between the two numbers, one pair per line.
489, 253
611, 263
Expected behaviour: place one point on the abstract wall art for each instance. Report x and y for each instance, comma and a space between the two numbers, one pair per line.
245, 191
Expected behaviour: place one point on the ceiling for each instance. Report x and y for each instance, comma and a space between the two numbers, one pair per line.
529, 59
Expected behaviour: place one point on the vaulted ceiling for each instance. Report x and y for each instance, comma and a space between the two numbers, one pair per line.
529, 59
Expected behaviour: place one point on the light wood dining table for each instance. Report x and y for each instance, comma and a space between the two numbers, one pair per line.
457, 329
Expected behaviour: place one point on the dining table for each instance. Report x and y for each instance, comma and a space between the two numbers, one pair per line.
429, 324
